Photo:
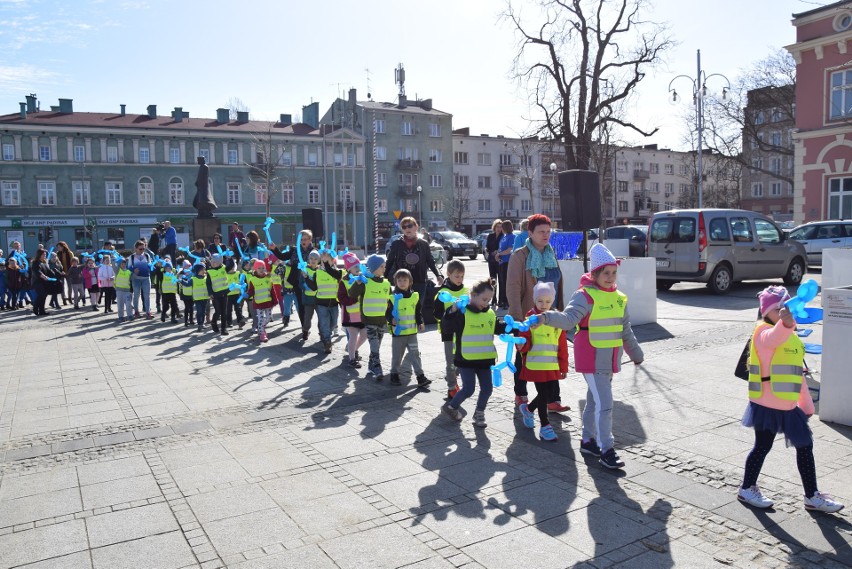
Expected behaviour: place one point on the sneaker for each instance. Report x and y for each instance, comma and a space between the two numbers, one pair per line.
354, 363
121, 318
94, 308
240, 324
422, 381
557, 407
326, 346
305, 335
590, 447
149, 315
454, 414
394, 379
823, 503
546, 433
264, 338
753, 497
527, 416
521, 399
378, 377
611, 460
452, 392
479, 419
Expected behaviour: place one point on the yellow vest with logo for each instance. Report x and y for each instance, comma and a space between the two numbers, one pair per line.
455, 294
544, 351
199, 288
785, 370
477, 337
122, 279
606, 322
218, 278
285, 279
262, 288
353, 309
376, 297
326, 285
169, 286
407, 321
233, 278
311, 274
276, 278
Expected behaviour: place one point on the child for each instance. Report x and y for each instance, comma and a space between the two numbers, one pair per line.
474, 350
263, 297
217, 276
106, 281
309, 295
545, 361
123, 294
453, 284
4, 288
56, 286
157, 282
325, 281
13, 283
75, 282
185, 291
90, 282
168, 291
234, 307
404, 327
779, 401
288, 295
599, 311
200, 294
374, 299
352, 309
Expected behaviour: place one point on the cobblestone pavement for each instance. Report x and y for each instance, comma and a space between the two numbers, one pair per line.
146, 445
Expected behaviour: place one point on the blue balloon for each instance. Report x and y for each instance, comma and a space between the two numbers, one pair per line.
395, 313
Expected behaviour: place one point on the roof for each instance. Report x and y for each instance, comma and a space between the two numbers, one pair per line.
411, 107
827, 7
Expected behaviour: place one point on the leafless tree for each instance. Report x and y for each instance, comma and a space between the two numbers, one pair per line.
265, 166
235, 105
568, 51
457, 207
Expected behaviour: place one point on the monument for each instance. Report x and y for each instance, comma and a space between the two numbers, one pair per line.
206, 223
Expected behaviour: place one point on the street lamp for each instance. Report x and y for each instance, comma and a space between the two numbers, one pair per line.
552, 190
420, 202
699, 91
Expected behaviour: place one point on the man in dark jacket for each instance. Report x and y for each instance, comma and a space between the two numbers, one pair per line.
413, 253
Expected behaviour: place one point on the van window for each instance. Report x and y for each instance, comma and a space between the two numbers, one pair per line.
719, 229
804, 233
766, 232
673, 230
740, 229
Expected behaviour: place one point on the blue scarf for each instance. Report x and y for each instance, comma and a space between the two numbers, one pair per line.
539, 262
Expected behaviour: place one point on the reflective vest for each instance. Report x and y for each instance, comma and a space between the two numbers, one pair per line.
407, 321
262, 288
276, 278
199, 288
326, 285
477, 337
606, 322
311, 274
233, 278
354, 309
455, 294
122, 279
168, 286
785, 369
218, 278
376, 297
285, 279
544, 351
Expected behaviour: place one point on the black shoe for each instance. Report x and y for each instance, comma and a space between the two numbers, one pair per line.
422, 381
354, 363
379, 377
215, 329
224, 332
394, 379
305, 335
591, 448
611, 460
95, 308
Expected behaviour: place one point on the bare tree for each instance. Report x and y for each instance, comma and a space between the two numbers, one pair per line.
265, 166
564, 58
235, 105
457, 207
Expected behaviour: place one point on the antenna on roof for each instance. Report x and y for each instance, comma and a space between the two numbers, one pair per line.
369, 91
399, 78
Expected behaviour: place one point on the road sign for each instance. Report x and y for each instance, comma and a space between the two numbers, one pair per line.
397, 213
396, 225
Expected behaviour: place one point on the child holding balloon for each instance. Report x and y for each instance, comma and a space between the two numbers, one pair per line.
263, 297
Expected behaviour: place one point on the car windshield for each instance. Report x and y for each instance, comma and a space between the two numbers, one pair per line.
454, 235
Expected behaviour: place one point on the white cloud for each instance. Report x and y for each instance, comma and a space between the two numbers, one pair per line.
25, 77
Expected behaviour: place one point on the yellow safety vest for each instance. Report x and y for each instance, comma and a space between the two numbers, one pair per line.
407, 321
276, 278
199, 288
785, 370
218, 278
544, 351
168, 286
233, 278
326, 285
477, 338
311, 274
455, 293
606, 322
122, 279
284, 281
354, 308
376, 298
262, 288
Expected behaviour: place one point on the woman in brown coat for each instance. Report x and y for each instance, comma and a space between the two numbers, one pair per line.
65, 255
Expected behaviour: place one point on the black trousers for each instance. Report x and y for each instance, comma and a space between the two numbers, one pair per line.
544, 395
169, 303
502, 277
40, 299
220, 313
108, 294
521, 385
234, 310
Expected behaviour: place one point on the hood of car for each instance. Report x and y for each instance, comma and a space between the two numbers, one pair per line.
461, 241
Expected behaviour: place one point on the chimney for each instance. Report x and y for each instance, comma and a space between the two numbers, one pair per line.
353, 99
66, 106
152, 111
123, 109
222, 115
31, 103
403, 101
23, 110
286, 119
310, 115
177, 114
242, 116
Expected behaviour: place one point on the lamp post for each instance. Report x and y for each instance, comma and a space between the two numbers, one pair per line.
699, 91
420, 203
553, 188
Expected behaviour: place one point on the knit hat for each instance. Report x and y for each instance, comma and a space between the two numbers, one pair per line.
314, 253
772, 297
600, 257
258, 264
543, 288
350, 260
122, 261
186, 264
216, 258
374, 262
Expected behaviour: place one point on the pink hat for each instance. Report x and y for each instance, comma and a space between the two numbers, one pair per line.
350, 260
772, 297
258, 264
600, 256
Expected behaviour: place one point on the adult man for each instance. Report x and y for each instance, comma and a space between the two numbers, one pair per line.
170, 240
235, 235
154, 239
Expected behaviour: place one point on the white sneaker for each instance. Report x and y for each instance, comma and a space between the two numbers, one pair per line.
823, 503
753, 497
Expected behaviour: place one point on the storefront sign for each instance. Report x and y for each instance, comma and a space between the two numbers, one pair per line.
64, 222
118, 221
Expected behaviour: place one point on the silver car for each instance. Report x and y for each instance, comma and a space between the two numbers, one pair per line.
720, 247
819, 235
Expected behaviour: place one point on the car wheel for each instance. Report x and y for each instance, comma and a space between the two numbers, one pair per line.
664, 285
795, 273
721, 280
449, 256
472, 257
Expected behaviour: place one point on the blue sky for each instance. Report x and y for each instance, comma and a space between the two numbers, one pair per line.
277, 55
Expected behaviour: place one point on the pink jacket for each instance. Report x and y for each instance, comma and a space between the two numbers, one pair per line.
766, 341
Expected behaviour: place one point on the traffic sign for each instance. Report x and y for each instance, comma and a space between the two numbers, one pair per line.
397, 213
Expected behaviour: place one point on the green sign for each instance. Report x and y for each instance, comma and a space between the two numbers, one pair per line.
16, 223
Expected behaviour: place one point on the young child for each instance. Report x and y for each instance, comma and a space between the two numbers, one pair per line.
4, 289
200, 294
168, 291
545, 361
309, 295
185, 291
352, 320
405, 326
779, 402
90, 282
75, 281
217, 275
14, 283
325, 281
235, 309
288, 294
56, 286
374, 299
123, 294
263, 297
453, 284
157, 283
106, 282
599, 311
474, 332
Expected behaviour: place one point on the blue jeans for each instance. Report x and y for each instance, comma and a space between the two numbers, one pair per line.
286, 303
141, 285
200, 312
327, 320
469, 376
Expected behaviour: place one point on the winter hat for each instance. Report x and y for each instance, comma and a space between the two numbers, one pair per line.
258, 264
314, 253
186, 264
350, 260
772, 297
122, 261
600, 257
216, 258
543, 288
374, 262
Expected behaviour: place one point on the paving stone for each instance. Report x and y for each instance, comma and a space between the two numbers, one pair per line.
27, 452
115, 469
164, 551
113, 439
153, 433
230, 502
119, 491
550, 552
251, 531
386, 547
28, 509
131, 524
42, 543
28, 484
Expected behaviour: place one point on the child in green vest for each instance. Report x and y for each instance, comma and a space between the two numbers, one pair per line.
406, 319
200, 294
374, 297
168, 298
262, 294
185, 291
453, 284
308, 286
123, 293
234, 308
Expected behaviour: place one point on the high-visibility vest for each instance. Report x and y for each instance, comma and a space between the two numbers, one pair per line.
276, 278
262, 288
122, 279
168, 286
199, 288
233, 278
455, 294
407, 321
285, 279
376, 297
785, 369
606, 322
354, 309
311, 274
544, 351
326, 285
218, 278
477, 337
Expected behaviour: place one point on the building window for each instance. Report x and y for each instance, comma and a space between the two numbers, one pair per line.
379, 126
408, 154
683, 189
669, 168
235, 193
669, 188
113, 193
312, 158
483, 205
11, 192
683, 170
350, 159
288, 196
144, 155
112, 154
175, 191
435, 155
460, 158
775, 165
775, 139
406, 128
483, 182
44, 153
204, 153
775, 189
757, 190
382, 206
483, 159
505, 160
526, 205
313, 194
841, 94
436, 206
233, 157
381, 153
655, 187
79, 153
436, 181
526, 160
338, 158
81, 193
506, 182
8, 152
655, 167
840, 198
622, 206
146, 191
757, 163
261, 194
526, 183
434, 130
46, 193
622, 186
759, 117
346, 193
621, 166
286, 158
381, 179
462, 181
116, 236
174, 155
507, 203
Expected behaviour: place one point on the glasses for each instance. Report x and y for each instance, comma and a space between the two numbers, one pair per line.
407, 226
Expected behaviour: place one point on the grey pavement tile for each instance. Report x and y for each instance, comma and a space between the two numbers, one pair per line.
93, 407
92, 419
39, 506
332, 513
385, 547
152, 433
303, 488
823, 533
537, 501
130, 524
751, 517
72, 445
194, 455
482, 473
251, 531
703, 496
113, 439
164, 551
119, 491
442, 455
595, 530
309, 556
160, 409
335, 428
348, 446
79, 560
42, 543
713, 446
401, 435
103, 471
229, 502
549, 552
661, 481
677, 554
418, 490
27, 452
274, 461
190, 427
469, 522
218, 472
19, 485
382, 468
436, 562
252, 443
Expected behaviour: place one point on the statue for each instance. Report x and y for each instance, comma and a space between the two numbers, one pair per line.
203, 201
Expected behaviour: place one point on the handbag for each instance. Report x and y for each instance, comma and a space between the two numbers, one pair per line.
742, 370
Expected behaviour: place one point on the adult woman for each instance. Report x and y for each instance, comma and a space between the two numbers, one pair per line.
140, 266
63, 253
217, 246
535, 262
252, 243
305, 245
504, 251
40, 277
412, 253
491, 244
235, 235
200, 249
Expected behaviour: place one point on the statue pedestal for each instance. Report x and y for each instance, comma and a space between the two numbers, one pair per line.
204, 228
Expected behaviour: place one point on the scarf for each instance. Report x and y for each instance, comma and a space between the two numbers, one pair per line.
539, 262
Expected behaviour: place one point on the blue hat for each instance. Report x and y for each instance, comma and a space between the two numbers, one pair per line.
374, 262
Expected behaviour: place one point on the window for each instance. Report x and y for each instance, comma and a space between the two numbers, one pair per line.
483, 205
288, 194
437, 206
350, 159
507, 203
116, 235
840, 198
313, 194
775, 189
233, 156
622, 186
682, 170
435, 155
483, 182
766, 232
175, 191
526, 160
8, 152
112, 154
434, 130
621, 165
483, 159
526, 205
638, 165
11, 192
673, 230
436, 181
408, 153
381, 153
312, 158
382, 206
462, 181
204, 153
683, 189
379, 126
841, 94
775, 139
719, 229
381, 179
44, 153
505, 160
79, 153
235, 193
144, 155
759, 117
410, 180
669, 168
286, 158
461, 205
113, 193
622, 206
757, 163
757, 190
46, 193
506, 182
655, 187
655, 167
775, 165
406, 128
174, 155
346, 193
146, 191
261, 194
338, 158
526, 183
775, 116
460, 157
80, 190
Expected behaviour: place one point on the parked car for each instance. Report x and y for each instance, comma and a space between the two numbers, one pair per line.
818, 235
637, 235
480, 241
720, 247
438, 252
457, 244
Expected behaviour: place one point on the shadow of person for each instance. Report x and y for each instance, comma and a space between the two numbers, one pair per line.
834, 529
